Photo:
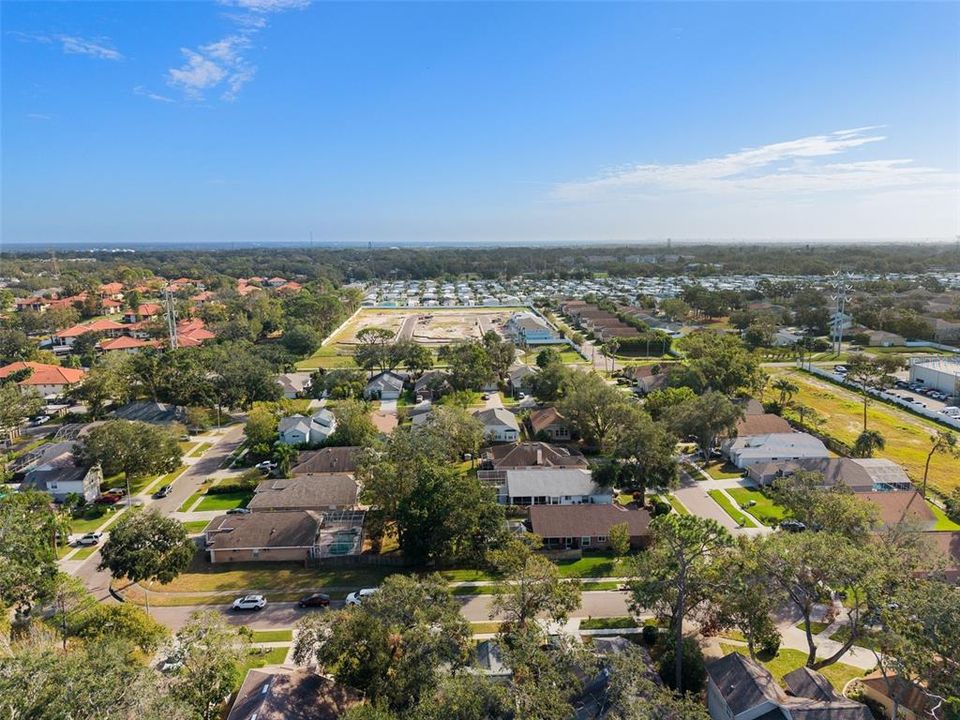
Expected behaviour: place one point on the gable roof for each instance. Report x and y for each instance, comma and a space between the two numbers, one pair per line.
550, 482
125, 342
549, 521
804, 682
291, 694
305, 491
94, 326
327, 460
148, 411
856, 473
294, 422
44, 374
386, 380
62, 468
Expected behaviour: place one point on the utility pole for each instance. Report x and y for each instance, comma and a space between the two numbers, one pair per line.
171, 315
841, 284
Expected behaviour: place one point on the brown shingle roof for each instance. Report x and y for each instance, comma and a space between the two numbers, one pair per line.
289, 695
542, 419
764, 424
327, 460
306, 492
533, 454
263, 530
551, 521
899, 506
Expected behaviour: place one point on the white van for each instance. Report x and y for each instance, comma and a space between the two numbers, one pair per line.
951, 411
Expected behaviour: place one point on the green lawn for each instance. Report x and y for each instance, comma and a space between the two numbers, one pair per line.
943, 522
787, 660
79, 526
728, 507
765, 510
483, 628
591, 566
677, 505
85, 552
259, 657
613, 623
868, 640
329, 357
195, 526
264, 636
815, 627
722, 470
201, 449
466, 575
225, 501
185, 507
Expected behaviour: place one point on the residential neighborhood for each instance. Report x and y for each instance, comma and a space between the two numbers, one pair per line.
404, 456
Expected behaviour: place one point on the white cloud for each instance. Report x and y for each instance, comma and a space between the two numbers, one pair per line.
39, 116
795, 166
141, 90
74, 45
222, 64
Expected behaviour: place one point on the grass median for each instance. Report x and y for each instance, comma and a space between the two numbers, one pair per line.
734, 512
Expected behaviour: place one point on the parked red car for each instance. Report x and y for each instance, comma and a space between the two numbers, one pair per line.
108, 499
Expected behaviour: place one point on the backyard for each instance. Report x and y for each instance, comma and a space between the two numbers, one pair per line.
907, 436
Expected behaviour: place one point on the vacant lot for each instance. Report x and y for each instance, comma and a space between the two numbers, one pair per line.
907, 436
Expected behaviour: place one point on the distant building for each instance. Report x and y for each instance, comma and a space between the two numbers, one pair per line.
46, 380
941, 374
526, 328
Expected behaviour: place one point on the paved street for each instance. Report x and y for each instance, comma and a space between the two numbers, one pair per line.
694, 497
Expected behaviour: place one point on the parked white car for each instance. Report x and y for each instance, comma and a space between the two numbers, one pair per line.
250, 602
358, 596
92, 538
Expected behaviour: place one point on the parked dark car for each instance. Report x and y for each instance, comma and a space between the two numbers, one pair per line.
163, 492
793, 526
314, 600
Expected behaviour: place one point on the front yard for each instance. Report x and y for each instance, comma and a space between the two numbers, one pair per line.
765, 510
788, 660
723, 501
225, 501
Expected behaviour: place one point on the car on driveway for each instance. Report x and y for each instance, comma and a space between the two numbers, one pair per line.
793, 526
108, 498
91, 538
250, 602
314, 600
163, 492
238, 511
358, 596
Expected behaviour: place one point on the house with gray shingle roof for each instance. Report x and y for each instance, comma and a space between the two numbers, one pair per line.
499, 424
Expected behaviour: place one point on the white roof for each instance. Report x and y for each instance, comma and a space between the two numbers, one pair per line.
552, 482
774, 444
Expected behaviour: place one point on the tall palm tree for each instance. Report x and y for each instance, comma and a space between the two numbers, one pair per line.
867, 443
787, 390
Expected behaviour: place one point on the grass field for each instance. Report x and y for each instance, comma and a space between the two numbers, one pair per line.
907, 436
722, 470
260, 657
943, 522
201, 449
787, 660
612, 623
815, 627
765, 510
195, 526
723, 501
263, 636
225, 501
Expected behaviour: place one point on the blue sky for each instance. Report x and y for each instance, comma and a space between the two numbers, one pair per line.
264, 120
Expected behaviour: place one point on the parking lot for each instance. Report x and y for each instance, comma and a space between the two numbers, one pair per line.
913, 393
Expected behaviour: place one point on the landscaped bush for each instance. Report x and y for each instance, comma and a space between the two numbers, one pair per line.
694, 671
659, 507
650, 634
245, 483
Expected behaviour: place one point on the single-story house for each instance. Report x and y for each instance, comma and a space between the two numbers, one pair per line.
127, 344
285, 694
499, 424
531, 454
901, 506
586, 526
60, 476
327, 460
912, 702
431, 385
384, 386
765, 449
882, 338
550, 422
150, 412
647, 378
327, 491
552, 486
740, 689
302, 430
858, 474
294, 384
45, 380
267, 536
144, 311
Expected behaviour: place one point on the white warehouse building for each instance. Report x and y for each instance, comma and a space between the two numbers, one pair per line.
940, 374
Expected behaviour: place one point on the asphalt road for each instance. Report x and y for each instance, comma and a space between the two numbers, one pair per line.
280, 615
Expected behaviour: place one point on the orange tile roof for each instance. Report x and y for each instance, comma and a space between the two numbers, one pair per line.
44, 374
95, 326
125, 342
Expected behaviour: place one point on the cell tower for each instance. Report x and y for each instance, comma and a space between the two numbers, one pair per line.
171, 314
841, 286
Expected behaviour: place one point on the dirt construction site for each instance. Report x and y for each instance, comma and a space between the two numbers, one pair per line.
428, 326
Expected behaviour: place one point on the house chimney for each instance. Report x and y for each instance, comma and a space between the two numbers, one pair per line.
539, 456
